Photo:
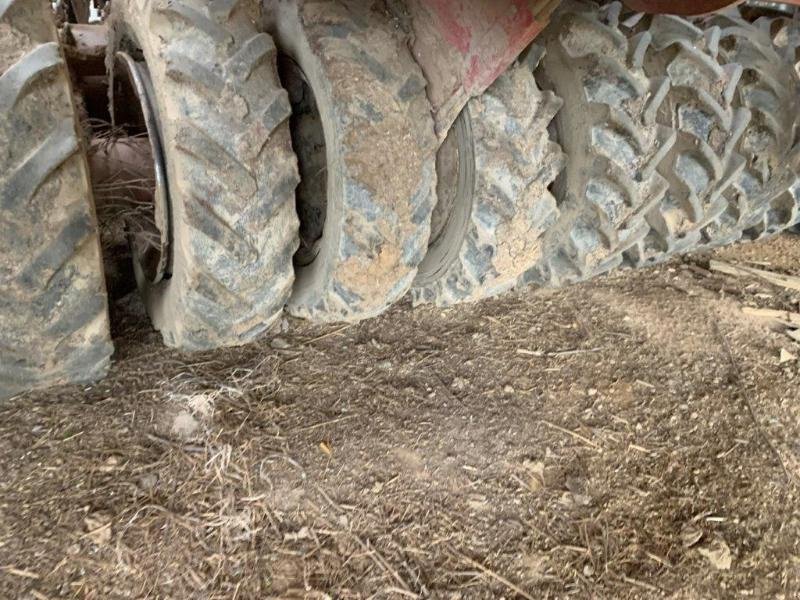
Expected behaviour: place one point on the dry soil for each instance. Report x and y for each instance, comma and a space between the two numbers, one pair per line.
637, 436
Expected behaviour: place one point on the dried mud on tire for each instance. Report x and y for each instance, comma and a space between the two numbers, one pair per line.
53, 314
502, 206
380, 146
231, 172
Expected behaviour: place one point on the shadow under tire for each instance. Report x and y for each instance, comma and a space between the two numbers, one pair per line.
53, 309
230, 170
365, 231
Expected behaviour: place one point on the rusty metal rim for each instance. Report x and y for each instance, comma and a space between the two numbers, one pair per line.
689, 8
138, 75
679, 7
786, 8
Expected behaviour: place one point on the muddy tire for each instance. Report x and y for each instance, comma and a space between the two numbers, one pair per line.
372, 217
704, 162
764, 198
493, 171
230, 169
608, 130
53, 313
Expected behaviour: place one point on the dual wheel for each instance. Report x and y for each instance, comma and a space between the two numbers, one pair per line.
674, 136
344, 96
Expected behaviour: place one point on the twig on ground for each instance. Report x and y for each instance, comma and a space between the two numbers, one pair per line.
324, 423
325, 335
496, 576
573, 434
640, 584
20, 572
554, 353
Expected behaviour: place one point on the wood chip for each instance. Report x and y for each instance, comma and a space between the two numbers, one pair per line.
789, 282
718, 554
779, 317
794, 334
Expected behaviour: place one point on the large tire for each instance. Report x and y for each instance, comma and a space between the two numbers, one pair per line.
379, 156
53, 313
498, 205
607, 129
704, 161
230, 169
764, 198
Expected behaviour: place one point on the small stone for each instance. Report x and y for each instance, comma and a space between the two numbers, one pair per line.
508, 389
459, 384
147, 482
582, 499
279, 343
184, 426
786, 356
718, 554
98, 528
110, 464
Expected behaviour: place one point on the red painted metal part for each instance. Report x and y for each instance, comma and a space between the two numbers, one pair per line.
686, 7
463, 45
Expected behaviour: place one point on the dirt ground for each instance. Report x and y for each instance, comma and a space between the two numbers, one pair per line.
634, 437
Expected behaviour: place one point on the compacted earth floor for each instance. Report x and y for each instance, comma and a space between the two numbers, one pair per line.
637, 436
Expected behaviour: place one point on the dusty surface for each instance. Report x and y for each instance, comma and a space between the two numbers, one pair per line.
632, 437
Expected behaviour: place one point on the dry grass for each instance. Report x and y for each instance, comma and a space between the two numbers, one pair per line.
123, 197
607, 440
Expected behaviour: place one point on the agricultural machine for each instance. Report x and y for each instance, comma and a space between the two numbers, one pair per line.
235, 159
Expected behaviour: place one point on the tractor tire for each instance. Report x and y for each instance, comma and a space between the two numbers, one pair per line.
231, 173
704, 162
53, 310
364, 125
608, 131
765, 197
493, 171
